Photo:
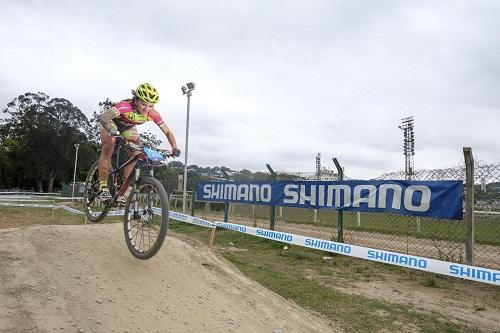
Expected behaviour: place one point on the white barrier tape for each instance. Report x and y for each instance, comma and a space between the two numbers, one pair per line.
30, 193
25, 199
12, 204
473, 273
173, 215
116, 212
191, 219
69, 209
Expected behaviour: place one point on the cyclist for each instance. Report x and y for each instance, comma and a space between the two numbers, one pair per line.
123, 118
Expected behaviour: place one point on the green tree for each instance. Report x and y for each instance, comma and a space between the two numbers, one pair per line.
5, 166
45, 131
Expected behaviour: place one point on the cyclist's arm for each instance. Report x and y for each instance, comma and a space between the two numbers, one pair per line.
106, 118
169, 134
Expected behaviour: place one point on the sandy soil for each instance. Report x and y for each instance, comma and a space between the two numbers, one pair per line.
81, 278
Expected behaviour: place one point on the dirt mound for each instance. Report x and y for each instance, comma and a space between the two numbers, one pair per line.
82, 278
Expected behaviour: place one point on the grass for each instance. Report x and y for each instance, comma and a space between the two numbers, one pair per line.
13, 217
303, 276
486, 229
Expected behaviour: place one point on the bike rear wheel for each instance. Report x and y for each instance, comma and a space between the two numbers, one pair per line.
146, 218
94, 208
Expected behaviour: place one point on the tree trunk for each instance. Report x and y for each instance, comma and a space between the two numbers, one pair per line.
52, 176
39, 185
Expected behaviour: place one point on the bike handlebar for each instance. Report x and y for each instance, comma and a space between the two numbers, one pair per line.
119, 140
136, 147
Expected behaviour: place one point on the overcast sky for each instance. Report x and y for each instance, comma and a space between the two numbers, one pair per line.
276, 81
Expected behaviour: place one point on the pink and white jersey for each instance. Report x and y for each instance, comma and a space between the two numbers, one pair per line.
129, 116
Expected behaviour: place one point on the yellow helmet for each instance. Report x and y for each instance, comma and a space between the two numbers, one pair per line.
147, 93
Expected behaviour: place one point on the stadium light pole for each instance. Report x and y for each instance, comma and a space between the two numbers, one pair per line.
407, 126
74, 173
186, 90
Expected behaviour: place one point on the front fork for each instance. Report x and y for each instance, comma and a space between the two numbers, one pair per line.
135, 190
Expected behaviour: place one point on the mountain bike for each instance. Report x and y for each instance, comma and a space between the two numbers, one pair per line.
146, 212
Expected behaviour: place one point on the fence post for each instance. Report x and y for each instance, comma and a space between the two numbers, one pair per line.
205, 210
193, 202
273, 208
469, 205
340, 213
54, 207
226, 204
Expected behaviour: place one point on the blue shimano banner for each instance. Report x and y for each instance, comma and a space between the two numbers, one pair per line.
441, 199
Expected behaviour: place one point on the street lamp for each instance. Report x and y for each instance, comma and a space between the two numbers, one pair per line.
74, 173
186, 90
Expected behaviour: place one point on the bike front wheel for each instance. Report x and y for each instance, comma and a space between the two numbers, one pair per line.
94, 208
146, 218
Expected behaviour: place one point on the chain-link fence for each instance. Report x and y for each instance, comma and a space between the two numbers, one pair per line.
427, 237
446, 238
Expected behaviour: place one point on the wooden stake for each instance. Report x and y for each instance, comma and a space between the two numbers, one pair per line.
212, 238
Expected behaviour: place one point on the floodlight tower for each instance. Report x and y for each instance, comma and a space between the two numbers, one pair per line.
407, 126
318, 166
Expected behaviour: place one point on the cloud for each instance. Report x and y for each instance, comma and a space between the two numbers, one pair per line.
276, 83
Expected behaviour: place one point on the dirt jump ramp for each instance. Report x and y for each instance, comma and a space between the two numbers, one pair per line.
82, 278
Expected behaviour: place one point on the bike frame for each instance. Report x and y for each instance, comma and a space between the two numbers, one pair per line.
136, 174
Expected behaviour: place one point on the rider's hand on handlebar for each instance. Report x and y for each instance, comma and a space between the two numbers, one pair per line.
175, 152
172, 153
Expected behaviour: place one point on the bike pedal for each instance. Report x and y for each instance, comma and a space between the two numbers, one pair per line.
107, 202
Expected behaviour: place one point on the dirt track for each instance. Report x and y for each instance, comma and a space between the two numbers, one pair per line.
81, 278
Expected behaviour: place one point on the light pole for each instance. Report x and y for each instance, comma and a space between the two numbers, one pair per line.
74, 173
407, 125
186, 90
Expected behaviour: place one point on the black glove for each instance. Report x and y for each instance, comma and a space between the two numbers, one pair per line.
176, 152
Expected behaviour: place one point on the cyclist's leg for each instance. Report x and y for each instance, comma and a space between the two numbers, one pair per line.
131, 135
107, 147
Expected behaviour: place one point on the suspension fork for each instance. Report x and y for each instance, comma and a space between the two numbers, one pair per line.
135, 190
116, 167
150, 195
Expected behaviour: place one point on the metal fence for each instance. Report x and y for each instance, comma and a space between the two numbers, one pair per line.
446, 238
427, 237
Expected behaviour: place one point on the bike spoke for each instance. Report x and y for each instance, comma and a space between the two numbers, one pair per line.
94, 208
138, 230
142, 239
142, 225
149, 234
